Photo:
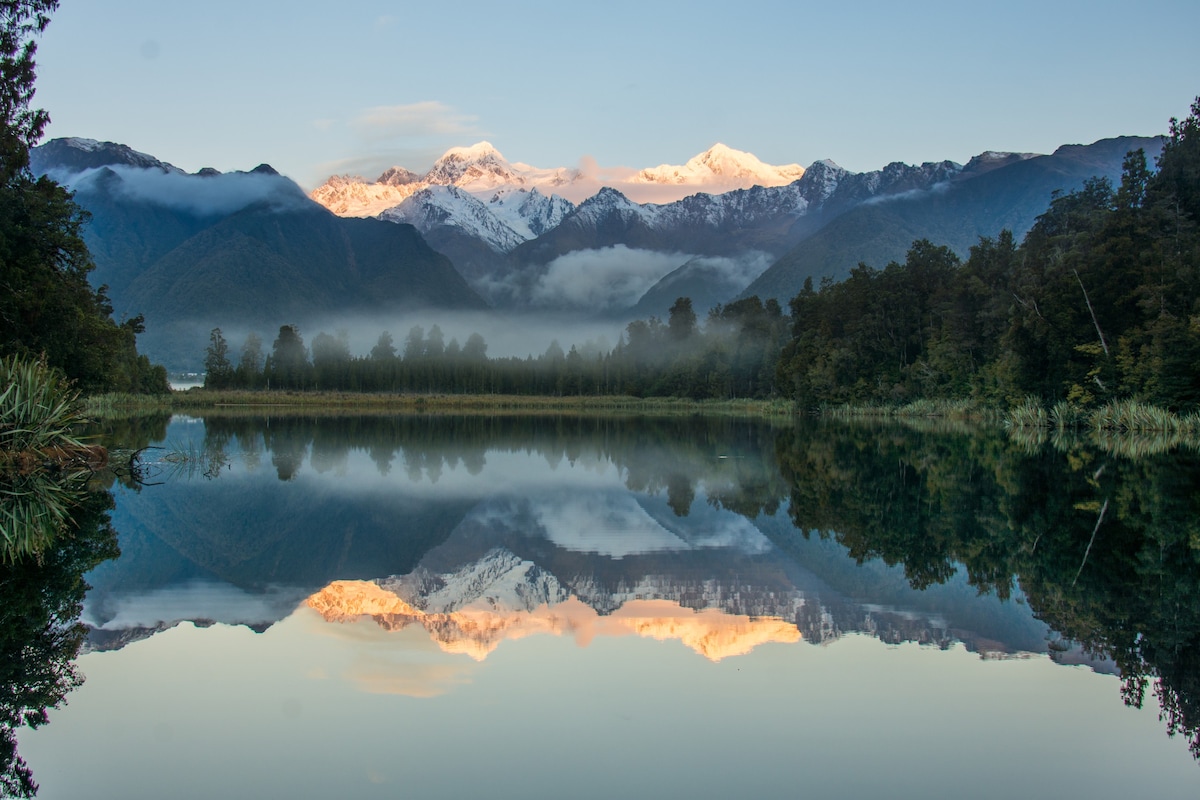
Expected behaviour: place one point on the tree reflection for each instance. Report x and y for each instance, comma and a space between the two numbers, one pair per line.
40, 634
1106, 549
734, 458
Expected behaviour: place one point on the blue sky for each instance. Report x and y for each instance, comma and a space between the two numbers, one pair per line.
316, 88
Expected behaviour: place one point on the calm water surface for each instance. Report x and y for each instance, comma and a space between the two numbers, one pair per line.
543, 607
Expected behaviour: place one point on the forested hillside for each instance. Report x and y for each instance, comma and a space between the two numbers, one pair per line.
1100, 301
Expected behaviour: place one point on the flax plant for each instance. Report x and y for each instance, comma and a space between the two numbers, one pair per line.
34, 510
38, 408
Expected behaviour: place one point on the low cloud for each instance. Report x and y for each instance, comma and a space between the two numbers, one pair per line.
610, 524
608, 278
937, 188
518, 335
216, 194
734, 271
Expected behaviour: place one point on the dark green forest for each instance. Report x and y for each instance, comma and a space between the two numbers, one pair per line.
733, 354
48, 310
1103, 548
1099, 302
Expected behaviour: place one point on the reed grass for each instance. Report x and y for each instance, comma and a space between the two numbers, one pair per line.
38, 408
1125, 428
920, 408
35, 509
1115, 416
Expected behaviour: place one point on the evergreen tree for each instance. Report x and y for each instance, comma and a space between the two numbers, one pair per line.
289, 367
218, 371
383, 349
47, 307
250, 367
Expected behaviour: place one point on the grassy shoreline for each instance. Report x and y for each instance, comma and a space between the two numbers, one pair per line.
1028, 422
279, 401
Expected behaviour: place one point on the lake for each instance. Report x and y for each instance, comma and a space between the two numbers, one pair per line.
559, 606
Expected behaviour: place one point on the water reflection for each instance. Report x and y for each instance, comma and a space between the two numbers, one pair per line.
1105, 548
55, 531
720, 534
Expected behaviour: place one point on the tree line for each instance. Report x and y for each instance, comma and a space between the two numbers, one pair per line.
732, 354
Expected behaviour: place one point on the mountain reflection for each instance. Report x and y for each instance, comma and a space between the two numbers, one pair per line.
478, 628
719, 533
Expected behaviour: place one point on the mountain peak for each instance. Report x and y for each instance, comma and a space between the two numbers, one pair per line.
471, 152
478, 167
397, 176
76, 154
720, 165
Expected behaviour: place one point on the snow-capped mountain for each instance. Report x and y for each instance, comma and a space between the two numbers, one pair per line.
479, 169
482, 170
529, 212
759, 218
451, 207
505, 220
353, 196
721, 164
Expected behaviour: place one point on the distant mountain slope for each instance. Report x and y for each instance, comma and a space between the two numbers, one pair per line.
191, 252
745, 225
263, 263
707, 281
992, 193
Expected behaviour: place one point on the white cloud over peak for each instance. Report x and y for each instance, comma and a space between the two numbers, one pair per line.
427, 118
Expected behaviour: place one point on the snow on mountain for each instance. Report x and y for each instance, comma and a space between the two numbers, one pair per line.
992, 159
482, 170
450, 206
478, 167
608, 204
721, 165
503, 597
353, 196
528, 211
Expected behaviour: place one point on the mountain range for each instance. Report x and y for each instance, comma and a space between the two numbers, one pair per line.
763, 239
480, 169
250, 249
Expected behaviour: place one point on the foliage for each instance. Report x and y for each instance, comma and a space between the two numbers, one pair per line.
20, 126
37, 408
732, 356
1104, 548
218, 372
1099, 303
47, 307
40, 635
34, 511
